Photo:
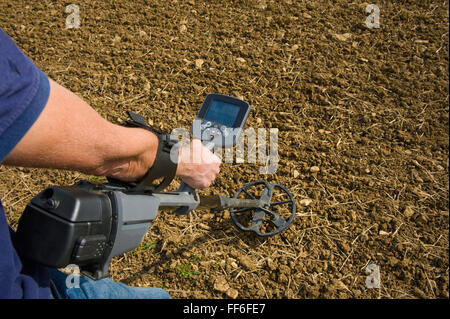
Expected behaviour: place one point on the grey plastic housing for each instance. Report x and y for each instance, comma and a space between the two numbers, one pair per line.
132, 215
131, 221
135, 212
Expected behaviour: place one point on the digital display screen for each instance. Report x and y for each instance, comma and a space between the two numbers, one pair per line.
222, 112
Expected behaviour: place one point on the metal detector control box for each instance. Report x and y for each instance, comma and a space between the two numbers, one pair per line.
220, 120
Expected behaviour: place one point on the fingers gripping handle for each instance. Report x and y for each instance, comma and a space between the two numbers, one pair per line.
186, 188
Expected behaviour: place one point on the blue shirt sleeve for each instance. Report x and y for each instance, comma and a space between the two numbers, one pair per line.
24, 91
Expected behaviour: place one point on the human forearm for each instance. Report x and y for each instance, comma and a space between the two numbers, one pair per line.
69, 134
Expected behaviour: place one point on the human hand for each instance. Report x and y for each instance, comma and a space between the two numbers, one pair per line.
197, 165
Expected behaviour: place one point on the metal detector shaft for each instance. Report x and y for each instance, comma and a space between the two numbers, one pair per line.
222, 202
193, 201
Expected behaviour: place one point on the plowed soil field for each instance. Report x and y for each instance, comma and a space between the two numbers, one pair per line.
362, 116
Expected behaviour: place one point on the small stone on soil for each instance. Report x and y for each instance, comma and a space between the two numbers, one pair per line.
199, 63
314, 169
221, 284
247, 262
232, 293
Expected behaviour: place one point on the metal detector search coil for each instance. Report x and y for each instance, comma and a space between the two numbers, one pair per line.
265, 221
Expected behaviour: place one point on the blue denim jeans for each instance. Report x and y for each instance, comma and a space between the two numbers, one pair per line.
99, 289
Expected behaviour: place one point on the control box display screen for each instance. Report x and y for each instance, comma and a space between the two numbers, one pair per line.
222, 112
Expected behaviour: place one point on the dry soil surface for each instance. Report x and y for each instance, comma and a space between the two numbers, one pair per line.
362, 115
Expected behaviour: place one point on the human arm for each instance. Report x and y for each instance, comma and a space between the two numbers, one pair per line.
69, 134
